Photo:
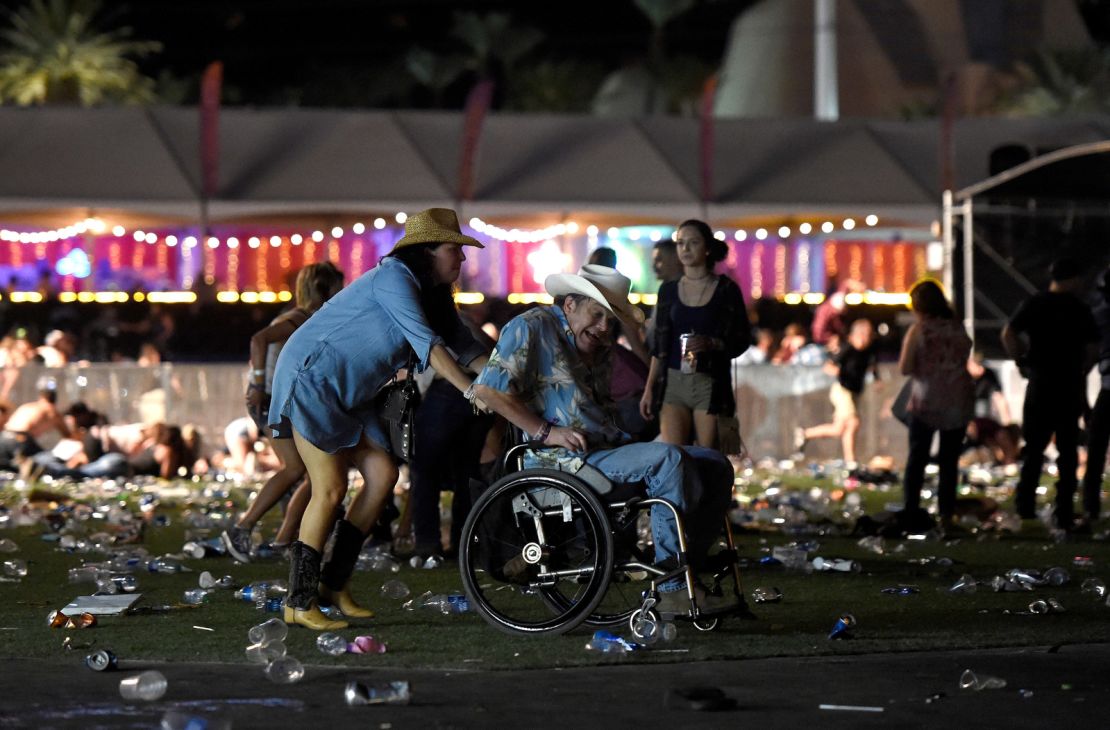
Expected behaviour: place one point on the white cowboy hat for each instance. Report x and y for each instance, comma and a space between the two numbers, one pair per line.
606, 286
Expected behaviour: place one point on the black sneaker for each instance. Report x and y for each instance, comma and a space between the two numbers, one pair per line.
237, 540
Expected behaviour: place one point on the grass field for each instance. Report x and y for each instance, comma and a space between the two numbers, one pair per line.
930, 619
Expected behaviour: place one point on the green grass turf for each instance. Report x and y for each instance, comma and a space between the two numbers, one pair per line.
932, 619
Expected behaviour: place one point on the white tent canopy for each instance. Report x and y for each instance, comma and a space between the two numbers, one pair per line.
296, 161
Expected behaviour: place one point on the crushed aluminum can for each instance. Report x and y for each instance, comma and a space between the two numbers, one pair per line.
101, 661
841, 627
766, 595
1083, 561
901, 590
356, 694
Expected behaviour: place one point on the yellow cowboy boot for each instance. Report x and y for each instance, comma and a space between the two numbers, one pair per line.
336, 576
300, 603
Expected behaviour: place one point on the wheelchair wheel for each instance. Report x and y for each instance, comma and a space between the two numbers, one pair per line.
536, 553
626, 589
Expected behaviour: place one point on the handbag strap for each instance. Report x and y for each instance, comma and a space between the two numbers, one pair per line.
410, 366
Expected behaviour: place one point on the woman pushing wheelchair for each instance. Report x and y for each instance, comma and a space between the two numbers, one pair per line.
325, 386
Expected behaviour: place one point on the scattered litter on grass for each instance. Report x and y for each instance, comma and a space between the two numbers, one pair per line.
101, 661
766, 595
285, 670
147, 686
842, 628
852, 708
382, 693
901, 590
971, 681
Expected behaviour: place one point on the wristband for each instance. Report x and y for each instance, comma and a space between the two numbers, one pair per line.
541, 435
259, 372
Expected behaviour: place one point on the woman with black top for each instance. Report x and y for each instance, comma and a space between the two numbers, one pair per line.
701, 325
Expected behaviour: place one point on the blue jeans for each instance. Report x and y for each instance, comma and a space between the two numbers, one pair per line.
698, 481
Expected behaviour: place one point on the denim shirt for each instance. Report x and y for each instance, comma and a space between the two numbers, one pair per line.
333, 365
536, 360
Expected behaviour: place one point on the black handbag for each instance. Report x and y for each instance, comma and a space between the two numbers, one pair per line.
397, 403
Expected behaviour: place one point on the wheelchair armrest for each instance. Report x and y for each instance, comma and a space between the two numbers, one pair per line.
592, 476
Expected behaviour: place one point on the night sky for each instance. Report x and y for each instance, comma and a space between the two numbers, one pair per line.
276, 51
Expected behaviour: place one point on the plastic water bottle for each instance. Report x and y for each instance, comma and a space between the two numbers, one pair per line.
148, 686
452, 604
195, 550
273, 629
195, 596
88, 574
1094, 587
272, 605
255, 593
387, 693
872, 543
609, 643
164, 565
792, 558
837, 564
15, 568
286, 670
378, 561
331, 644
964, 585
395, 590
1056, 576
207, 580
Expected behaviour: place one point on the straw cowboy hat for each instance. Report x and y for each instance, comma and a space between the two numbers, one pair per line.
434, 225
606, 286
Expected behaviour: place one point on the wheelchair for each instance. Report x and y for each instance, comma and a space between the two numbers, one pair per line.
544, 551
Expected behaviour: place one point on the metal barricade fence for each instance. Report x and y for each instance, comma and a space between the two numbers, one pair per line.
771, 401
208, 396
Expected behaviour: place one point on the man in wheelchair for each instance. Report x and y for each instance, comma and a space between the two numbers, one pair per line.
549, 376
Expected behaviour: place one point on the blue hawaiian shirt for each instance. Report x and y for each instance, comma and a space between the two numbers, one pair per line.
536, 360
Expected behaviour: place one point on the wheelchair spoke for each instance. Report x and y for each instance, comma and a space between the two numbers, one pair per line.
536, 553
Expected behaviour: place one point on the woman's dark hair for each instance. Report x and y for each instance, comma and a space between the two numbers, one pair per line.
926, 297
717, 249
437, 300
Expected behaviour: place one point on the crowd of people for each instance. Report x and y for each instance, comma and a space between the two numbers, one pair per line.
589, 381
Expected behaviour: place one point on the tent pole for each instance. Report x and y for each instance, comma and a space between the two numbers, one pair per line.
969, 272
949, 243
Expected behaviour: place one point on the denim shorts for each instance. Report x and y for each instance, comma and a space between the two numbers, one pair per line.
690, 390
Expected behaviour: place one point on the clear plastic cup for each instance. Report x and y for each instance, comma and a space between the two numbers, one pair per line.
147, 686
395, 590
286, 670
265, 652
270, 630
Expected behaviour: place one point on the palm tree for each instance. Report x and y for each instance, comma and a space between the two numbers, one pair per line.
59, 53
1060, 82
665, 83
493, 48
